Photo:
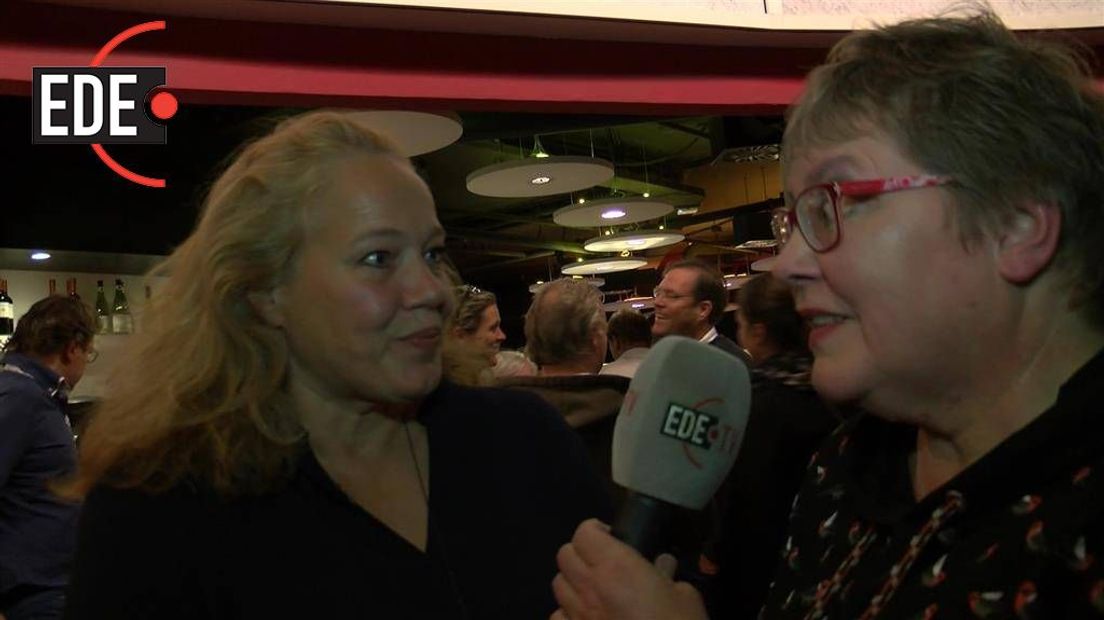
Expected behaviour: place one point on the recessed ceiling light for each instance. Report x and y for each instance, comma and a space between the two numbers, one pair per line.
40, 255
687, 210
598, 213
514, 179
634, 241
540, 180
582, 200
647, 195
636, 305
603, 265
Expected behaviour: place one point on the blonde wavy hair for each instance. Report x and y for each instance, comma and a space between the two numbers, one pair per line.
201, 395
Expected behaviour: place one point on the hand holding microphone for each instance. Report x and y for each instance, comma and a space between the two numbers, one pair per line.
677, 435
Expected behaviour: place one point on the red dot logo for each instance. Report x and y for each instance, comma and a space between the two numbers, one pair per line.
163, 105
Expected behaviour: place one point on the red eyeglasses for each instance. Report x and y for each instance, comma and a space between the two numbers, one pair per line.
816, 212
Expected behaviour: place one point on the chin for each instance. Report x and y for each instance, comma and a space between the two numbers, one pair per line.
415, 383
836, 383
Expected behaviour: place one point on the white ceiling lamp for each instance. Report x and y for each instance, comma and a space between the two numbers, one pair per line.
603, 265
413, 133
595, 282
611, 212
764, 264
532, 177
633, 242
758, 244
631, 303
736, 281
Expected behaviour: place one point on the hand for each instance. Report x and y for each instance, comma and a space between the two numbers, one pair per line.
602, 578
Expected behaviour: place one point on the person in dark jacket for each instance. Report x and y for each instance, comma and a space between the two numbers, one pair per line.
45, 358
788, 421
689, 301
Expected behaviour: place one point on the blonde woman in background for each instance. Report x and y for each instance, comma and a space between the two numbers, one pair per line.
474, 337
280, 442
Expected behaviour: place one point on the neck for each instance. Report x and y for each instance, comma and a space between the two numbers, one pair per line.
53, 361
1015, 389
561, 370
345, 425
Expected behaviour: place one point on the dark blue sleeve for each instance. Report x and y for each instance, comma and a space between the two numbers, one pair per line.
20, 412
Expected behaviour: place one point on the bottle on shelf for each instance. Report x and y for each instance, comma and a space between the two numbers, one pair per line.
71, 288
53, 286
103, 313
121, 321
7, 313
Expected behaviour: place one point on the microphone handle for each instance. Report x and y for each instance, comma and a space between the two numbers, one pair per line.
642, 523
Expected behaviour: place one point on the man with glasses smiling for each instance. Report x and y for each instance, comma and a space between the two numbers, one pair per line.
44, 359
690, 301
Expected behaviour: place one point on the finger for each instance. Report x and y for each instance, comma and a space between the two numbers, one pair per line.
666, 564
559, 615
571, 606
594, 544
578, 575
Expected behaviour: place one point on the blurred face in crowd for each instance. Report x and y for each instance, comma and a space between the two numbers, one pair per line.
752, 337
364, 304
676, 312
898, 309
489, 334
75, 361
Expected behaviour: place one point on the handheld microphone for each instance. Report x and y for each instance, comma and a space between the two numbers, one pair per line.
677, 435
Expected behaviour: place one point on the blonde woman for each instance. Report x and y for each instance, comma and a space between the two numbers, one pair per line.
280, 443
473, 337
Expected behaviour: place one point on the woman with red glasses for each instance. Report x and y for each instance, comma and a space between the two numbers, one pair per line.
945, 211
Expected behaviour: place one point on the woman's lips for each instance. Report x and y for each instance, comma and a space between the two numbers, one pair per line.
821, 324
427, 338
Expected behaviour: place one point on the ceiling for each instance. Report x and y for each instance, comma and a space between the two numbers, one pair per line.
61, 197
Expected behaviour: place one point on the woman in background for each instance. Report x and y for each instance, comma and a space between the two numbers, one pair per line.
473, 337
280, 442
788, 421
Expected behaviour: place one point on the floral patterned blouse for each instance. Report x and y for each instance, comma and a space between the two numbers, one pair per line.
1018, 534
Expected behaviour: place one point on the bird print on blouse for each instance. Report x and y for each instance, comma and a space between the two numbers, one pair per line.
1016, 535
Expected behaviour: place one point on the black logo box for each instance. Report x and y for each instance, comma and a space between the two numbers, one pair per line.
148, 131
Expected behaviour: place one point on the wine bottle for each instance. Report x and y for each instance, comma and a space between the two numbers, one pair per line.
71, 288
7, 312
103, 314
121, 321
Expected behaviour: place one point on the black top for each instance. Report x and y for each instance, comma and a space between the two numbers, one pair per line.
729, 346
37, 530
787, 424
1019, 533
509, 482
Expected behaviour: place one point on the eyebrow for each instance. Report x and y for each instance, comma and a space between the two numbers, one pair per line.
829, 167
826, 169
395, 233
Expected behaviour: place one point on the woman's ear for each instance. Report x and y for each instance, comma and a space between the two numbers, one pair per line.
268, 304
1029, 242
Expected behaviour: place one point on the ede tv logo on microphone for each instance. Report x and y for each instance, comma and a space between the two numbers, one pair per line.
99, 105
